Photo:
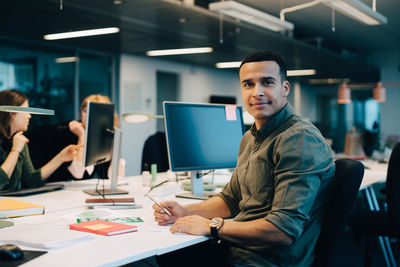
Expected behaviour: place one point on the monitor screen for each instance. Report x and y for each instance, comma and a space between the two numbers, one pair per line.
99, 133
202, 136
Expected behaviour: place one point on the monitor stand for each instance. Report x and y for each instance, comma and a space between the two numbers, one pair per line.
113, 190
197, 188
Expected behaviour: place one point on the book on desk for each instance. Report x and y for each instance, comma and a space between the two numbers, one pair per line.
10, 208
101, 227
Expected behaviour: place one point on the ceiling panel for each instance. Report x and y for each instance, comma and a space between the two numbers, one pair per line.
155, 24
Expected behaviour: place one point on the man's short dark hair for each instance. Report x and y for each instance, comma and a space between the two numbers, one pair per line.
259, 56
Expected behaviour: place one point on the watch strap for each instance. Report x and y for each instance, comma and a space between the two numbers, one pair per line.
214, 232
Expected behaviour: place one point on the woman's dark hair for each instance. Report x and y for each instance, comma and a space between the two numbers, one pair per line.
9, 98
259, 56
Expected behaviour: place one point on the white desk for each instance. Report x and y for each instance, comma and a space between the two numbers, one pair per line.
103, 250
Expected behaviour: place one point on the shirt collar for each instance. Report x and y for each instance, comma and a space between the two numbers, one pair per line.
273, 124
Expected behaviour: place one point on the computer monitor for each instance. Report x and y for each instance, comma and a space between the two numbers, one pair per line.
202, 137
102, 144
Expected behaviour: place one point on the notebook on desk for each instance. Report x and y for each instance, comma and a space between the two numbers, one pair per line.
32, 191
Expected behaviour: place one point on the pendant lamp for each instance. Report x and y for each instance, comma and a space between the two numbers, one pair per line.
344, 95
379, 93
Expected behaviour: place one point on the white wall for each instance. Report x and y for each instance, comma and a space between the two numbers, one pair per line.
138, 92
389, 63
304, 100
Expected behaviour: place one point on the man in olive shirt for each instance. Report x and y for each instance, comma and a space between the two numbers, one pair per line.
278, 192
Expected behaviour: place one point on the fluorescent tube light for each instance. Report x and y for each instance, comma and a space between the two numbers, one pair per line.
357, 10
66, 59
66, 35
251, 15
183, 51
305, 72
227, 65
236, 64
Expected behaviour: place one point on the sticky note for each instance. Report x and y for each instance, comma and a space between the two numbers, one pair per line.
98, 226
230, 112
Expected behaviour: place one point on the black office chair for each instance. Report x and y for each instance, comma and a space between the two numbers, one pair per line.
348, 177
155, 151
372, 224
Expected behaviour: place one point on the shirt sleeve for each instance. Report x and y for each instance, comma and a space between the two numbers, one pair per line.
29, 176
231, 194
4, 180
77, 169
301, 160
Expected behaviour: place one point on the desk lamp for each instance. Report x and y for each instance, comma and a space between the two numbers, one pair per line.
18, 109
139, 117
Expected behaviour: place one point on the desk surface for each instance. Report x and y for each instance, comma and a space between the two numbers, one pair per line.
374, 173
102, 250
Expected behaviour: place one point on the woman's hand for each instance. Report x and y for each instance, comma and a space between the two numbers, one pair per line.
68, 153
194, 225
76, 128
173, 207
19, 141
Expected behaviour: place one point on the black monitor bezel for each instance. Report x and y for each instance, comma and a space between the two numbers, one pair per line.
92, 130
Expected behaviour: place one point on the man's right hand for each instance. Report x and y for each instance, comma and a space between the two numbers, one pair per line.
76, 128
162, 218
19, 141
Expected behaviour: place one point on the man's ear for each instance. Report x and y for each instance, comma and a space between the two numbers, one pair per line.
286, 88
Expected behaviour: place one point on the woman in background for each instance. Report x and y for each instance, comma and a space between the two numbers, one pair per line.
16, 169
77, 169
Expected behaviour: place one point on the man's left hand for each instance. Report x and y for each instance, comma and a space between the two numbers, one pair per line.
194, 225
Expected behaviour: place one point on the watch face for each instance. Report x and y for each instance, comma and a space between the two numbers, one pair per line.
216, 222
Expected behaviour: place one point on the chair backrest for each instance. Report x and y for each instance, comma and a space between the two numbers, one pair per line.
155, 151
348, 177
393, 187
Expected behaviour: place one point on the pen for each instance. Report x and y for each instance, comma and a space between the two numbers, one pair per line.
158, 204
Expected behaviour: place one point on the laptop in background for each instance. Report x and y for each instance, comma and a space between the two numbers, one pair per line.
32, 191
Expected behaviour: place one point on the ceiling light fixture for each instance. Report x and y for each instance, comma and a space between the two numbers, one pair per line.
183, 51
76, 34
66, 59
357, 10
305, 72
379, 93
344, 95
251, 15
236, 64
228, 65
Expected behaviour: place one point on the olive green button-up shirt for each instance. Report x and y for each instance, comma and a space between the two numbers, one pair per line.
284, 174
24, 174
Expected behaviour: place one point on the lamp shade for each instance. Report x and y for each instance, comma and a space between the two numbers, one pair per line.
139, 117
344, 95
38, 111
379, 93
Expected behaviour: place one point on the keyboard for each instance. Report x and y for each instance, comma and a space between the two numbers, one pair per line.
32, 191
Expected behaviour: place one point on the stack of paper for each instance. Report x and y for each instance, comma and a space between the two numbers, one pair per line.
42, 236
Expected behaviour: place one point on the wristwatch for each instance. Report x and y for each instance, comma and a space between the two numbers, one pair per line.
215, 224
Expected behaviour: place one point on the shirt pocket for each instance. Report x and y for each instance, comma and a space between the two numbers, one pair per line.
260, 183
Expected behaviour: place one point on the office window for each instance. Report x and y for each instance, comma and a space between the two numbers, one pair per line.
37, 72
